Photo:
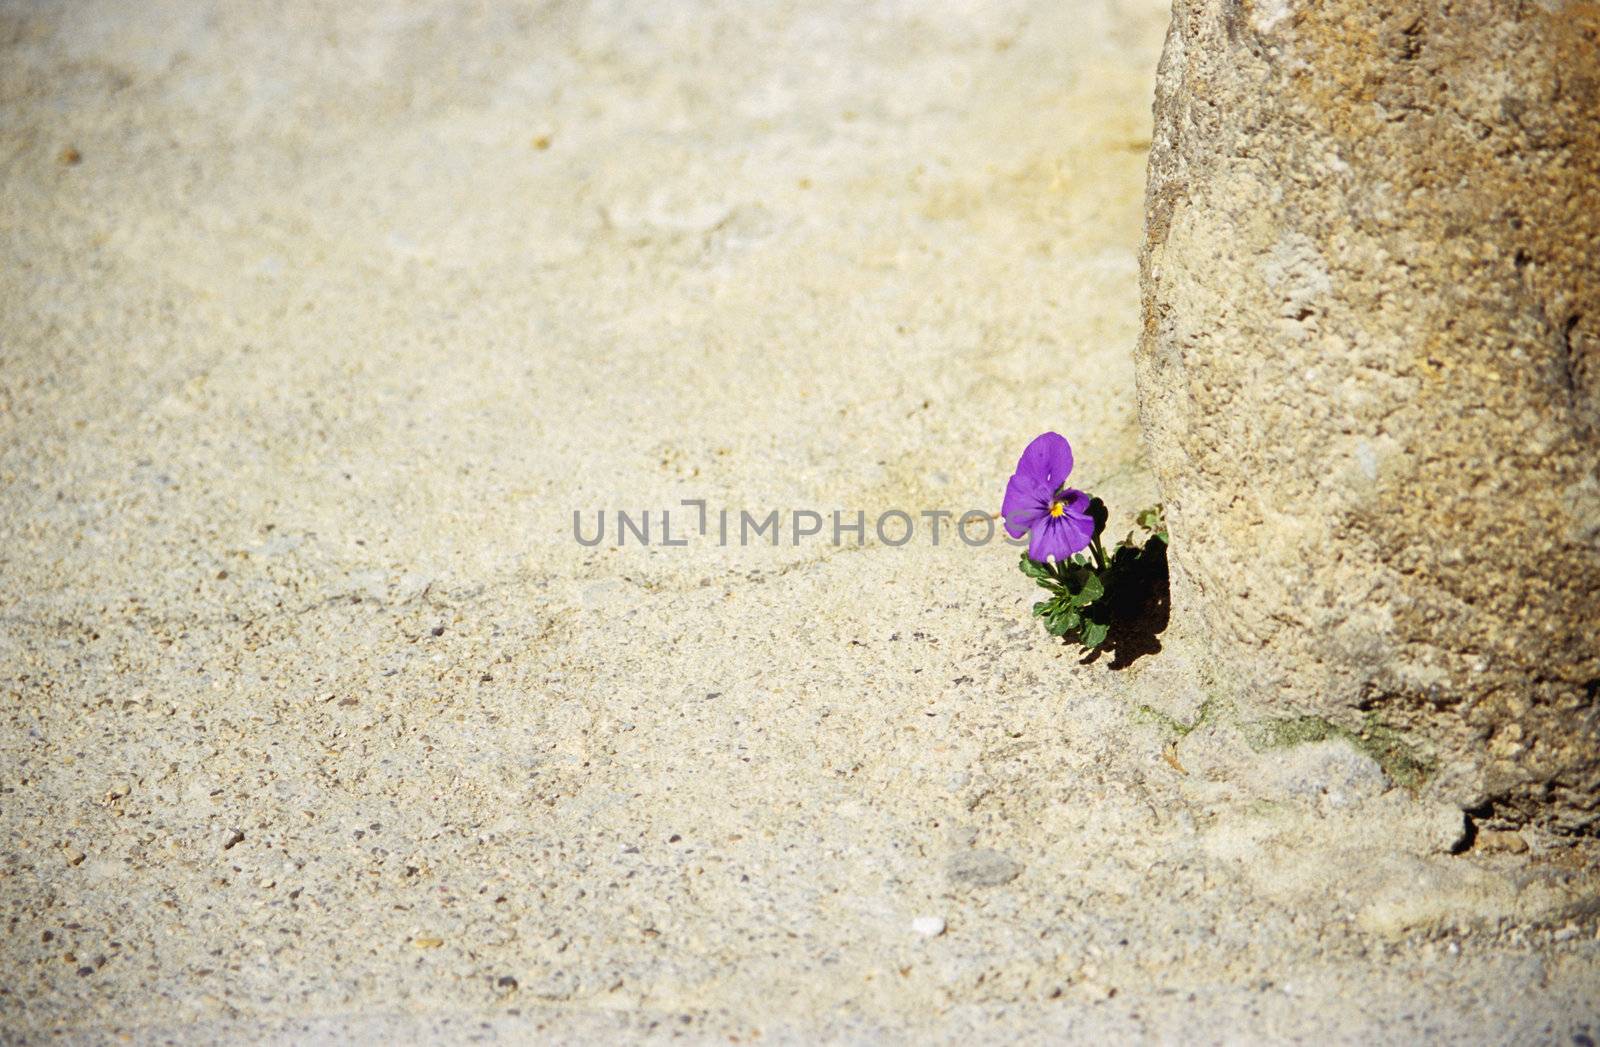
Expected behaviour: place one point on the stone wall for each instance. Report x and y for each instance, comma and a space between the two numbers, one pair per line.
1370, 375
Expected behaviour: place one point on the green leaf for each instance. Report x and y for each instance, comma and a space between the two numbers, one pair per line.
1093, 589
1154, 520
1083, 585
1063, 621
1043, 607
1094, 634
1033, 568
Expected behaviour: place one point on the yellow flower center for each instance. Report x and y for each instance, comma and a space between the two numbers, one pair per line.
1058, 508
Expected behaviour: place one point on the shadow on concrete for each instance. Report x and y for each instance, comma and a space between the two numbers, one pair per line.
1142, 605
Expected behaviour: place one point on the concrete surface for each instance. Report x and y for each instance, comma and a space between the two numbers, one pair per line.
319, 322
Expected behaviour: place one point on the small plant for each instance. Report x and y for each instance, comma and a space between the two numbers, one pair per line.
1090, 593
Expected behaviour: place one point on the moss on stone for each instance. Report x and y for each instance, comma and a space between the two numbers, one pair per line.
1398, 758
1203, 715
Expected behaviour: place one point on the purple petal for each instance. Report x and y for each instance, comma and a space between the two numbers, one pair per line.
1063, 536
1026, 501
1077, 504
1078, 532
1047, 460
1049, 539
1077, 522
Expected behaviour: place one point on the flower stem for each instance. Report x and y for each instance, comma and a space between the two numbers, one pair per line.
1099, 553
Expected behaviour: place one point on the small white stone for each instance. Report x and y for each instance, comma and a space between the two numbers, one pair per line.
928, 926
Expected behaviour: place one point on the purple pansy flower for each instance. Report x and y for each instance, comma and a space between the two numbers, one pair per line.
1038, 503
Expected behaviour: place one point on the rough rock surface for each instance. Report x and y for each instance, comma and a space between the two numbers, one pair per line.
1370, 374
316, 725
